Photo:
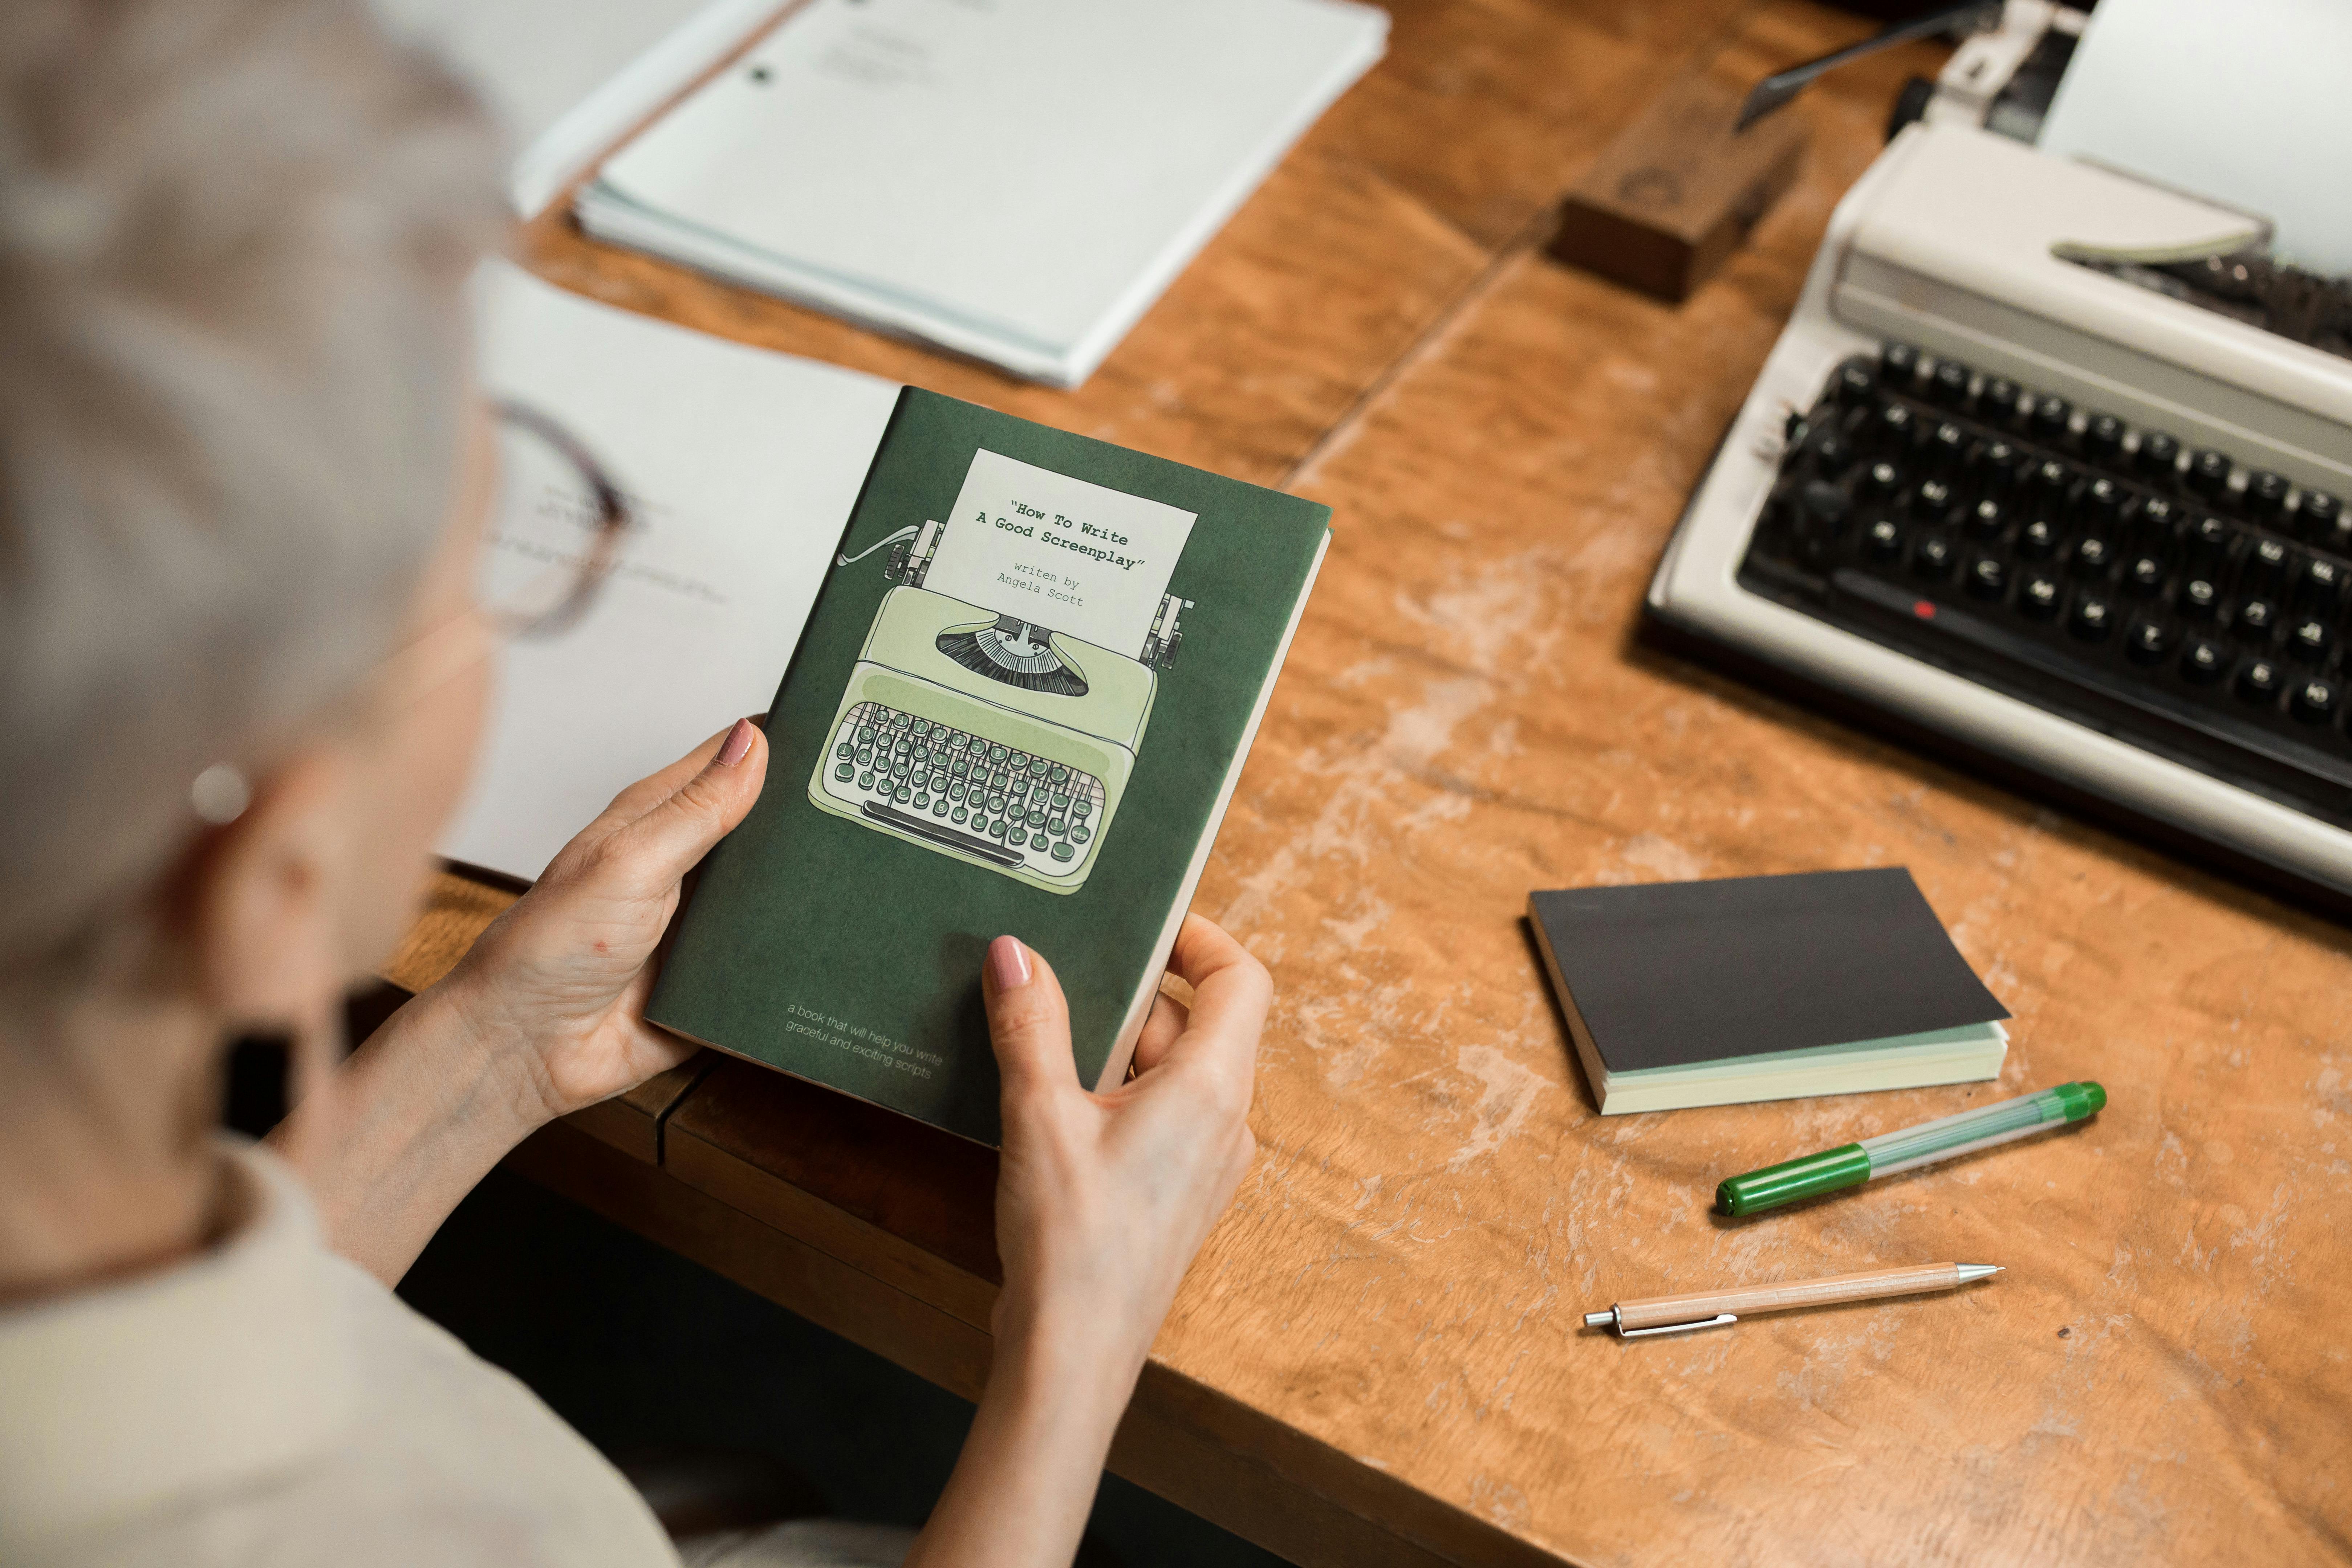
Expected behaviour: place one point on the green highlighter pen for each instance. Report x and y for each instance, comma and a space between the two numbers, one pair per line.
1812, 1174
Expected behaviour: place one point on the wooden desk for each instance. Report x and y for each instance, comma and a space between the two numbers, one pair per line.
1377, 1358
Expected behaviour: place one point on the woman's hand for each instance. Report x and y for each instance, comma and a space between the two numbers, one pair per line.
560, 981
545, 1015
1101, 1202
1104, 1198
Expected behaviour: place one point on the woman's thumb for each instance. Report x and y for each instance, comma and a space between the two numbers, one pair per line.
1028, 1019
665, 844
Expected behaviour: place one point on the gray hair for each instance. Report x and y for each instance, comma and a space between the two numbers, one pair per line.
234, 238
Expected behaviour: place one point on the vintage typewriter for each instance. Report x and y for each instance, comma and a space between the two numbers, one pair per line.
984, 736
1989, 484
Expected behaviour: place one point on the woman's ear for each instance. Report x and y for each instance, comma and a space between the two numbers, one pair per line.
263, 900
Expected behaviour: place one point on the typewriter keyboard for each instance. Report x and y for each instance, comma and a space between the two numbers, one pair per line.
965, 792
2175, 599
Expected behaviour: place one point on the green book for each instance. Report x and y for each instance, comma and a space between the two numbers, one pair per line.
1020, 704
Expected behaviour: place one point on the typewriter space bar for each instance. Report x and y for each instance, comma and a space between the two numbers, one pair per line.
923, 827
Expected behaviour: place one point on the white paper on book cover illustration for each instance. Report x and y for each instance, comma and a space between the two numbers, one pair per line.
1084, 560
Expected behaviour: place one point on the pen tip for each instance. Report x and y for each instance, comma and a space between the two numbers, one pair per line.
1968, 1271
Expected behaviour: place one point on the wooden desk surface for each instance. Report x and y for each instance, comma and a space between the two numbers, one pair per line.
1378, 1358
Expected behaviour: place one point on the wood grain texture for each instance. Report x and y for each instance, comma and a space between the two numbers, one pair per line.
457, 911
1467, 715
1384, 1332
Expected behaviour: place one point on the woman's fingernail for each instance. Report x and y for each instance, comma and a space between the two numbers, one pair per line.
1008, 964
738, 744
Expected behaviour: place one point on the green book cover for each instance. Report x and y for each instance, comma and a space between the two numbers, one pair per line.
1019, 705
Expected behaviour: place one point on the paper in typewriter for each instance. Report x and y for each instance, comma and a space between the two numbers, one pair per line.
1019, 705
1080, 558
2240, 104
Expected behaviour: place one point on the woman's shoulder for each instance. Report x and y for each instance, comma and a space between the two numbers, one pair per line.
267, 1402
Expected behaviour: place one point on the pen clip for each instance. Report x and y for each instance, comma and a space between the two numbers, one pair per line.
1715, 1322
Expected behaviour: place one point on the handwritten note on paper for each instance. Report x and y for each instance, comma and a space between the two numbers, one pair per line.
1086, 561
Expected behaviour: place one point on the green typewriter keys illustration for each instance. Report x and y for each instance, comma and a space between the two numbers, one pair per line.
978, 733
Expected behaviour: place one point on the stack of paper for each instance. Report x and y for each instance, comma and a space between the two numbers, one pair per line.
740, 466
1017, 179
568, 78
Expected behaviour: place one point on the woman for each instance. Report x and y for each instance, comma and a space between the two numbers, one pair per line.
241, 480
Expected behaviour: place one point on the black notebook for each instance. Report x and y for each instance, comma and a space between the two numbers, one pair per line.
1683, 993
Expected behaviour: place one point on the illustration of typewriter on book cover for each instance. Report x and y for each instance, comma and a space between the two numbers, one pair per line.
998, 705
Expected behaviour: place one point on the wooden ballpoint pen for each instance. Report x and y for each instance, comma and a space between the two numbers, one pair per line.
1712, 1309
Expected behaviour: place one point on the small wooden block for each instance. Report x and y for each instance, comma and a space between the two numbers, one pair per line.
1668, 201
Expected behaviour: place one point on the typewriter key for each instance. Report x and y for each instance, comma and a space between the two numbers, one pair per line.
2103, 438
2204, 661
2092, 619
2147, 640
2209, 475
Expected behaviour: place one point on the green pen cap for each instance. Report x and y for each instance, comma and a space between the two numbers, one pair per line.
2080, 1100
1806, 1176
1965, 1132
